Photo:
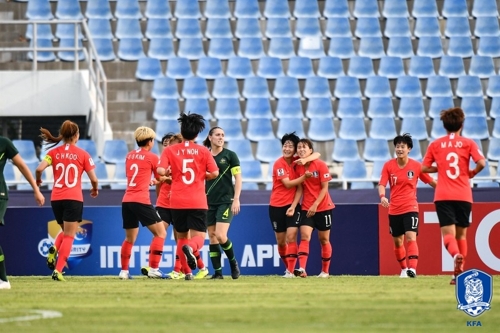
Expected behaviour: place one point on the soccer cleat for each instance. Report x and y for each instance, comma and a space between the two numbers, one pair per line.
191, 259
453, 280
288, 275
458, 260
57, 276
125, 275
145, 270
324, 275
176, 275
403, 274
51, 258
411, 272
217, 276
155, 273
201, 274
189, 276
235, 270
300, 272
4, 284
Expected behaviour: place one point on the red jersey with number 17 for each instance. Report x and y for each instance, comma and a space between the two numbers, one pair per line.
189, 164
140, 164
452, 154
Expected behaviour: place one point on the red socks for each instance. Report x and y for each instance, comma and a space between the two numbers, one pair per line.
326, 256
462, 247
400, 253
182, 257
412, 254
303, 253
64, 252
125, 254
196, 244
58, 240
155, 251
451, 244
291, 256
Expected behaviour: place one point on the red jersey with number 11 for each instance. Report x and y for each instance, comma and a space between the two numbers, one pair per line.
140, 165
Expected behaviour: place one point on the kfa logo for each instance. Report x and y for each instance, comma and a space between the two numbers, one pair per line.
474, 290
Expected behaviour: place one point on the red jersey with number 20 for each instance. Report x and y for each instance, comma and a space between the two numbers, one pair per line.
68, 163
452, 154
140, 164
312, 185
189, 164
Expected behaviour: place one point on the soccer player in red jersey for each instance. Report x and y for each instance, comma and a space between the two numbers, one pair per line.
403, 173
68, 163
317, 209
189, 164
140, 165
453, 197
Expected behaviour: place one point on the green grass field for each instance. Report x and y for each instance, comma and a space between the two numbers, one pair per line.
250, 304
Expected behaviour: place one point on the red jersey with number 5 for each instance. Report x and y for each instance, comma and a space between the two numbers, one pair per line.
140, 164
452, 154
189, 164
68, 163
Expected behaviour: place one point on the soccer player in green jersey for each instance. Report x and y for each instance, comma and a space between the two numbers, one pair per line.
223, 201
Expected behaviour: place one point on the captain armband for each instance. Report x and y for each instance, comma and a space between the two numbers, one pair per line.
48, 159
236, 170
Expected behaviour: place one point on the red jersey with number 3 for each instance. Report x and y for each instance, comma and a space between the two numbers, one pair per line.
140, 165
280, 195
403, 182
312, 185
189, 163
68, 163
452, 154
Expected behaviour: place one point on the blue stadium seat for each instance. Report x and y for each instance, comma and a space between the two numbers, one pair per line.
218, 28
161, 48
225, 87
345, 150
255, 87
487, 26
400, 47
416, 151
42, 56
187, 9
425, 8
127, 9
251, 48
473, 106
421, 67
270, 68
100, 28
395, 8
430, 47
158, 28
166, 108
165, 87
276, 8
319, 108
209, 68
89, 146
380, 107
382, 128
489, 46
289, 108
493, 153
307, 26
336, 8
415, 126
199, 106
360, 67
397, 27
461, 47
128, 28
179, 68
259, 129
486, 183
317, 87
368, 26
341, 47
300, 67
427, 27
366, 8
247, 9
377, 170
330, 67
452, 8
482, 66
242, 148
104, 48
338, 27
451, 66
457, 27
352, 128
191, 48
158, 9
372, 47
469, 86
164, 126
120, 177
408, 86
101, 173
247, 27
188, 28
391, 67
377, 86
438, 86
43, 31
281, 47
39, 10
195, 87
438, 104
98, 9
68, 10
251, 170
221, 48
289, 125
356, 170
258, 108
493, 89
350, 107
286, 87
306, 8
376, 150
476, 128
321, 129
268, 150
496, 129
228, 108
484, 8
27, 150
239, 68
495, 108
114, 151
148, 69
347, 86
311, 47
9, 174
216, 9
411, 107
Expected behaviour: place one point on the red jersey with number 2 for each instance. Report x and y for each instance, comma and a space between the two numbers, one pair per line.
189, 164
452, 154
140, 165
312, 185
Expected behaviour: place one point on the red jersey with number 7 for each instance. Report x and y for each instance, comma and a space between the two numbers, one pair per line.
452, 154
189, 163
140, 165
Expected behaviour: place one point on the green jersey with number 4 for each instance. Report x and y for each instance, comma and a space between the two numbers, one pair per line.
221, 190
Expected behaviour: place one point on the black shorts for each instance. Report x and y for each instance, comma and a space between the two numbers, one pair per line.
135, 212
321, 220
451, 212
219, 213
165, 214
280, 221
67, 210
189, 219
400, 224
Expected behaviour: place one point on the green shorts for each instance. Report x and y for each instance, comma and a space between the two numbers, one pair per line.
219, 213
3, 209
